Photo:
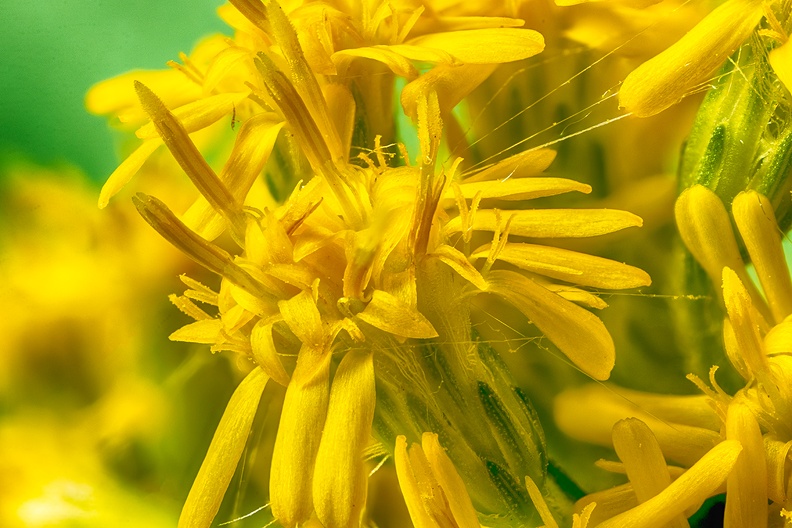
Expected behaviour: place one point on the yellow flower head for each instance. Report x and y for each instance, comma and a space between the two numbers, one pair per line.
378, 263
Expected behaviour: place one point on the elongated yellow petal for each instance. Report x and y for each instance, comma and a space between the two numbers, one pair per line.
781, 61
589, 413
746, 487
186, 153
519, 188
297, 442
540, 504
408, 482
485, 46
391, 315
570, 266
695, 485
205, 253
398, 63
198, 114
705, 228
553, 223
644, 463
576, 332
753, 214
459, 263
451, 83
340, 479
126, 170
224, 452
118, 94
451, 483
303, 318
251, 151
779, 339
265, 353
576, 295
521, 165
685, 66
743, 322
206, 331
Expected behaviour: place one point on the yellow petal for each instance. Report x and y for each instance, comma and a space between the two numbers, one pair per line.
781, 61
398, 63
553, 223
643, 460
408, 482
297, 442
540, 504
753, 214
118, 94
265, 353
776, 454
576, 332
705, 228
205, 331
186, 153
391, 315
451, 483
746, 487
589, 413
695, 485
126, 170
779, 339
687, 65
459, 263
570, 266
485, 46
519, 188
522, 165
451, 83
340, 479
198, 114
304, 320
251, 151
744, 324
224, 452
576, 295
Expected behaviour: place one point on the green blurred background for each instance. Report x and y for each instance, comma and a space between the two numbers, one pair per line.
53, 51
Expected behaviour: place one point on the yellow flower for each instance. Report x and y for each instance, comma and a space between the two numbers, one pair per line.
370, 261
740, 441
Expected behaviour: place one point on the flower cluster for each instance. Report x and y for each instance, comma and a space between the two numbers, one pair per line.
360, 243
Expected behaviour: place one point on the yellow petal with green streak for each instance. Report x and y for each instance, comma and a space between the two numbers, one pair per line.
297, 442
224, 452
552, 223
746, 487
570, 266
340, 479
485, 46
575, 331
687, 65
391, 315
698, 483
